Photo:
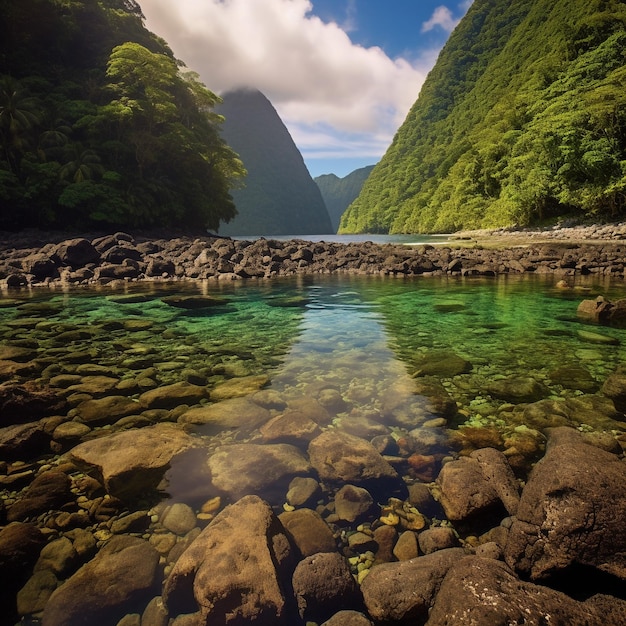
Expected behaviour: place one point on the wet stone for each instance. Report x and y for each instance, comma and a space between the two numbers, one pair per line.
179, 519
308, 531
303, 491
352, 503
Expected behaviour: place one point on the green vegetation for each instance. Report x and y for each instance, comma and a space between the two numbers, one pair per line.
279, 197
339, 193
522, 120
100, 125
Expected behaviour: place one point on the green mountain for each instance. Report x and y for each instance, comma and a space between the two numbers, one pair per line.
339, 193
100, 125
522, 119
279, 197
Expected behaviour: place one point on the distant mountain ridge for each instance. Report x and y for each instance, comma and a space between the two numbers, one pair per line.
522, 120
339, 193
279, 196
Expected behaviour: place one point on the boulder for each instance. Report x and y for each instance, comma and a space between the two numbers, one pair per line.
107, 410
352, 503
132, 461
614, 387
120, 579
572, 512
403, 592
485, 591
308, 531
290, 427
76, 253
239, 387
26, 403
518, 389
342, 458
49, 491
264, 470
348, 618
323, 585
303, 491
237, 570
442, 364
171, 396
603, 311
233, 414
23, 441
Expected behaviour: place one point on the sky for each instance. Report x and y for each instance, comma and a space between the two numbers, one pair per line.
342, 74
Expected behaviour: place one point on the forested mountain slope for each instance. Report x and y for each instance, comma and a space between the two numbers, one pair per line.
100, 125
523, 118
339, 193
279, 196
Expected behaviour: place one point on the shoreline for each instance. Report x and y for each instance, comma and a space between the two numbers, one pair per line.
34, 258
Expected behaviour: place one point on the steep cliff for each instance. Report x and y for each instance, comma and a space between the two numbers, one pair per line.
279, 196
522, 120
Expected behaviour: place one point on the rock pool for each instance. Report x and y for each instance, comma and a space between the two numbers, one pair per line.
132, 418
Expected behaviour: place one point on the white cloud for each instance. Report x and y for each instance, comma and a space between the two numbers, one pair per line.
325, 88
442, 17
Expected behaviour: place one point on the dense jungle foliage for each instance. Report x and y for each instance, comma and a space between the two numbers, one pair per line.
339, 193
99, 123
522, 120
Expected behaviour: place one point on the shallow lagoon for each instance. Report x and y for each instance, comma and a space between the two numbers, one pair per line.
383, 357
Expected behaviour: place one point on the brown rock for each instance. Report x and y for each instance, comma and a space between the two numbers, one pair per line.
132, 461
106, 410
235, 570
171, 396
121, 577
352, 502
323, 585
49, 490
236, 413
23, 441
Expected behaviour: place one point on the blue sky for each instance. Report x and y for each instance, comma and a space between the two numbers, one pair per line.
342, 74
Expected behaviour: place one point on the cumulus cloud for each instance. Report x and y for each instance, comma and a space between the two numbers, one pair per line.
334, 96
444, 18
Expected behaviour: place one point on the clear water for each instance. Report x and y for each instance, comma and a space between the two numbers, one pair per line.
367, 339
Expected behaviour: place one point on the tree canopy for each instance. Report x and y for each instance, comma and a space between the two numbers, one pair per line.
101, 125
522, 120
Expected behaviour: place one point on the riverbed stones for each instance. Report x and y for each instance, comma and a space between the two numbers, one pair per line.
20, 403
303, 491
23, 441
171, 396
340, 458
352, 503
130, 462
614, 387
236, 570
101, 411
120, 577
49, 490
518, 389
571, 512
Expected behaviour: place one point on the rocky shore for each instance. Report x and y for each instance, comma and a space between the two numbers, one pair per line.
27, 259
323, 503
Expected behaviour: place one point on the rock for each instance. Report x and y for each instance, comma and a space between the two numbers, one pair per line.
135, 522
20, 545
303, 491
571, 512
179, 519
348, 618
235, 572
171, 396
130, 462
312, 409
485, 591
23, 441
121, 577
342, 458
614, 387
76, 253
498, 473
233, 414
308, 531
574, 376
518, 389
70, 433
94, 385
406, 547
34, 595
58, 556
155, 613
27, 403
403, 592
589, 336
603, 312
194, 302
239, 387
290, 427
441, 364
265, 470
50, 490
422, 499
40, 265
106, 410
352, 503
465, 495
323, 585
437, 538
